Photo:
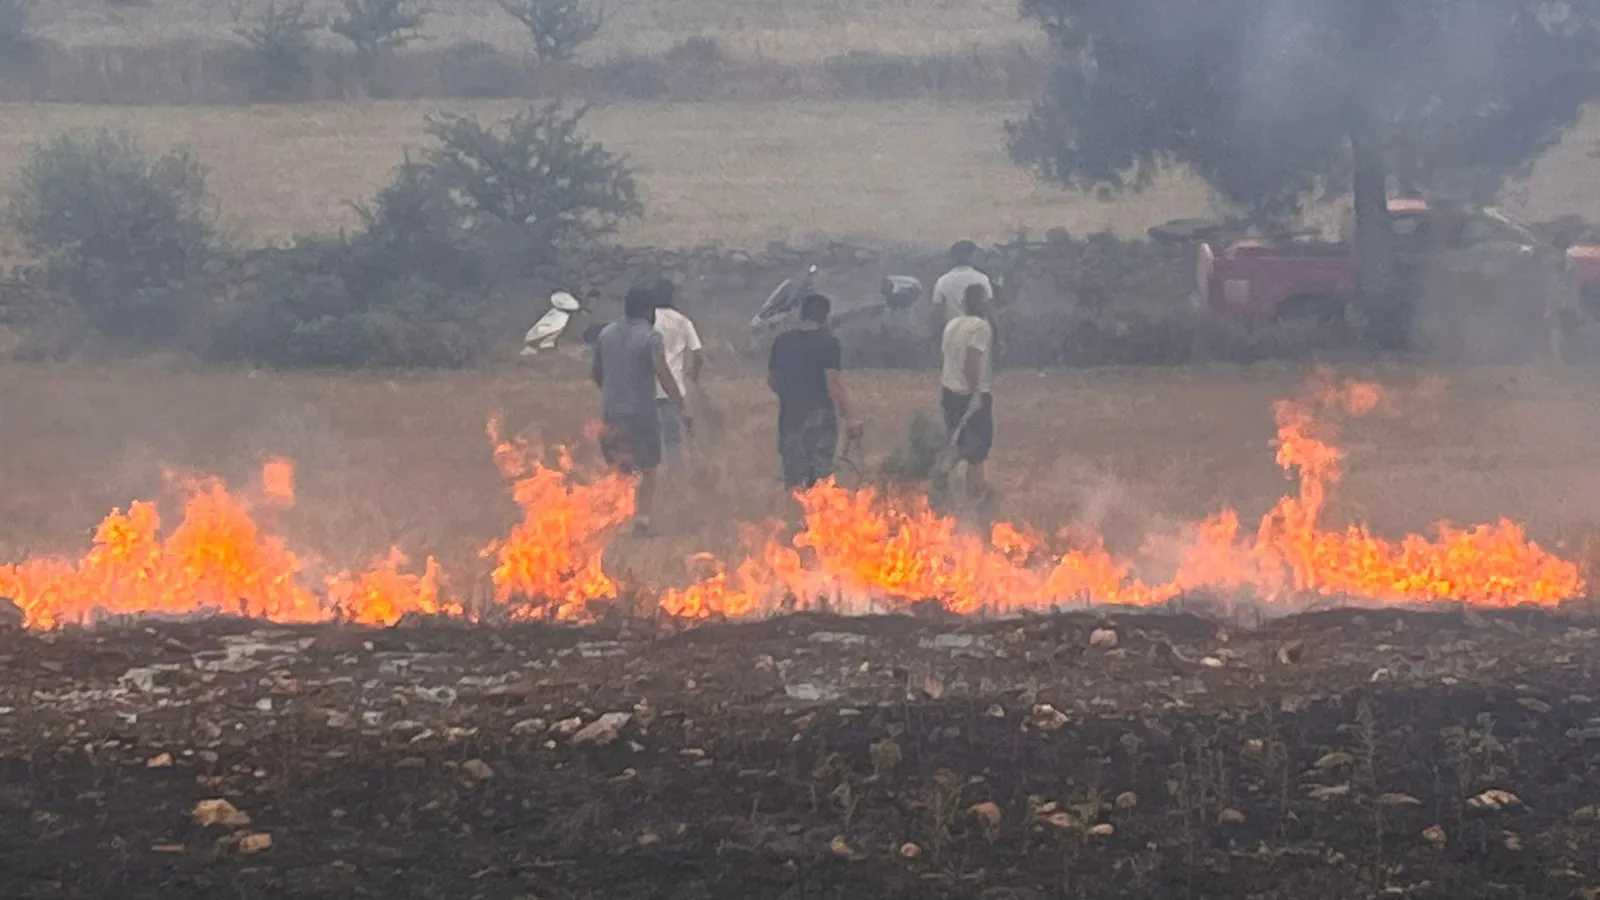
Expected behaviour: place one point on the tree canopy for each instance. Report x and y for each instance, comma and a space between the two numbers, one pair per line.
1265, 99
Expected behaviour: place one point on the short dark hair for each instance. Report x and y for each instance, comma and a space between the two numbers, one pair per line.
962, 252
974, 298
666, 292
639, 303
815, 308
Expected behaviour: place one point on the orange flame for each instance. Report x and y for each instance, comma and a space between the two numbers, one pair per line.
549, 566
858, 550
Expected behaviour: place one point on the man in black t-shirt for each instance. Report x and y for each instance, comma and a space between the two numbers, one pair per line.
804, 372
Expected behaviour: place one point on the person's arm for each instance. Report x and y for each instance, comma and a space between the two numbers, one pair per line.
595, 370
972, 367
691, 366
658, 353
836, 389
772, 368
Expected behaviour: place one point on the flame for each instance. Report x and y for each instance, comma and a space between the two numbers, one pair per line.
856, 551
549, 566
277, 481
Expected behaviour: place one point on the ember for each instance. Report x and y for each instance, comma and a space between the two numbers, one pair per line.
859, 549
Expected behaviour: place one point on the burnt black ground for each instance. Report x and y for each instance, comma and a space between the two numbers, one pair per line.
799, 757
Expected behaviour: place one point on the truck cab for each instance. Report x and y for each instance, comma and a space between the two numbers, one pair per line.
1255, 281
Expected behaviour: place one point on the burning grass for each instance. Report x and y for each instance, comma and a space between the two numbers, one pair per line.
859, 549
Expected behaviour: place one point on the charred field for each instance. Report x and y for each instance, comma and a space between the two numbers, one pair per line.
1110, 752
1336, 754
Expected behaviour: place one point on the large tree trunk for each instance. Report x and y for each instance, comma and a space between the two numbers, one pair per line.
1387, 309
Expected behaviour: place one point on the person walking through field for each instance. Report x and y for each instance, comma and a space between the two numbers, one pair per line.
966, 381
681, 344
950, 291
630, 361
803, 370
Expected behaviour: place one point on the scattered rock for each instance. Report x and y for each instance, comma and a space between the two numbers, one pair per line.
1435, 835
986, 811
528, 726
159, 761
1061, 820
838, 637
1290, 653
1230, 816
1335, 760
217, 811
478, 769
1398, 800
996, 711
1513, 842
807, 692
1104, 829
1494, 799
602, 731
1211, 662
1327, 791
1535, 705
909, 850
647, 839
255, 842
1586, 815
1046, 718
1127, 800
1103, 637
841, 847
11, 616
567, 726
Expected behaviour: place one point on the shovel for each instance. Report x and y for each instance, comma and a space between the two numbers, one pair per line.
950, 455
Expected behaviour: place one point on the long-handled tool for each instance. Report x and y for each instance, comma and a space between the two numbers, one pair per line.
950, 454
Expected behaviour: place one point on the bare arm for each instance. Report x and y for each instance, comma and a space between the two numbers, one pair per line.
664, 375
693, 367
840, 397
971, 367
595, 370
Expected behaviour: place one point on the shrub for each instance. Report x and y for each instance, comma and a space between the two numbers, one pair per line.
375, 26
557, 27
412, 229
121, 232
281, 48
537, 185
476, 69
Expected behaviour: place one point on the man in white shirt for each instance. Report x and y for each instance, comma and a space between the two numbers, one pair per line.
682, 344
966, 388
950, 291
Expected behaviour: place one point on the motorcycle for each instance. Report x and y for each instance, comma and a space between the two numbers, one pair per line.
546, 334
856, 323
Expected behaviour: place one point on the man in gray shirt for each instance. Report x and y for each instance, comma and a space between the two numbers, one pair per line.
629, 361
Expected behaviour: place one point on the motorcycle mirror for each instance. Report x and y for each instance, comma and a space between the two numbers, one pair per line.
812, 270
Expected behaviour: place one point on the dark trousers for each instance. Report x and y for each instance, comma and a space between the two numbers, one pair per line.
806, 448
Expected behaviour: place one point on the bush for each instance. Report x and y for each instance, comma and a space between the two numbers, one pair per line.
477, 70
281, 48
120, 232
539, 185
376, 26
412, 229
557, 27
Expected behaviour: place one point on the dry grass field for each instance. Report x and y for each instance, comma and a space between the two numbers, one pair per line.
740, 174
406, 461
783, 30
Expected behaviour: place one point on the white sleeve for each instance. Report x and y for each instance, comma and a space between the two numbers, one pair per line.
983, 336
690, 335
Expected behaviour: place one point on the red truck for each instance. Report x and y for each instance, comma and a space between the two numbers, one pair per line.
1254, 281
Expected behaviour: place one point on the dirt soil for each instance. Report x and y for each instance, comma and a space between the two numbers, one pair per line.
1331, 755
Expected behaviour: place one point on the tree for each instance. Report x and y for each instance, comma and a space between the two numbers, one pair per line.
540, 179
280, 41
375, 26
558, 27
14, 34
120, 231
1272, 100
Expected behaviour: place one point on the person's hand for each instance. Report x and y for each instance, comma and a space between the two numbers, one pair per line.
974, 404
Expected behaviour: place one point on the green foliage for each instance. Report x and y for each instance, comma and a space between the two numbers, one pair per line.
121, 232
281, 48
557, 27
1263, 98
375, 26
413, 229
537, 185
